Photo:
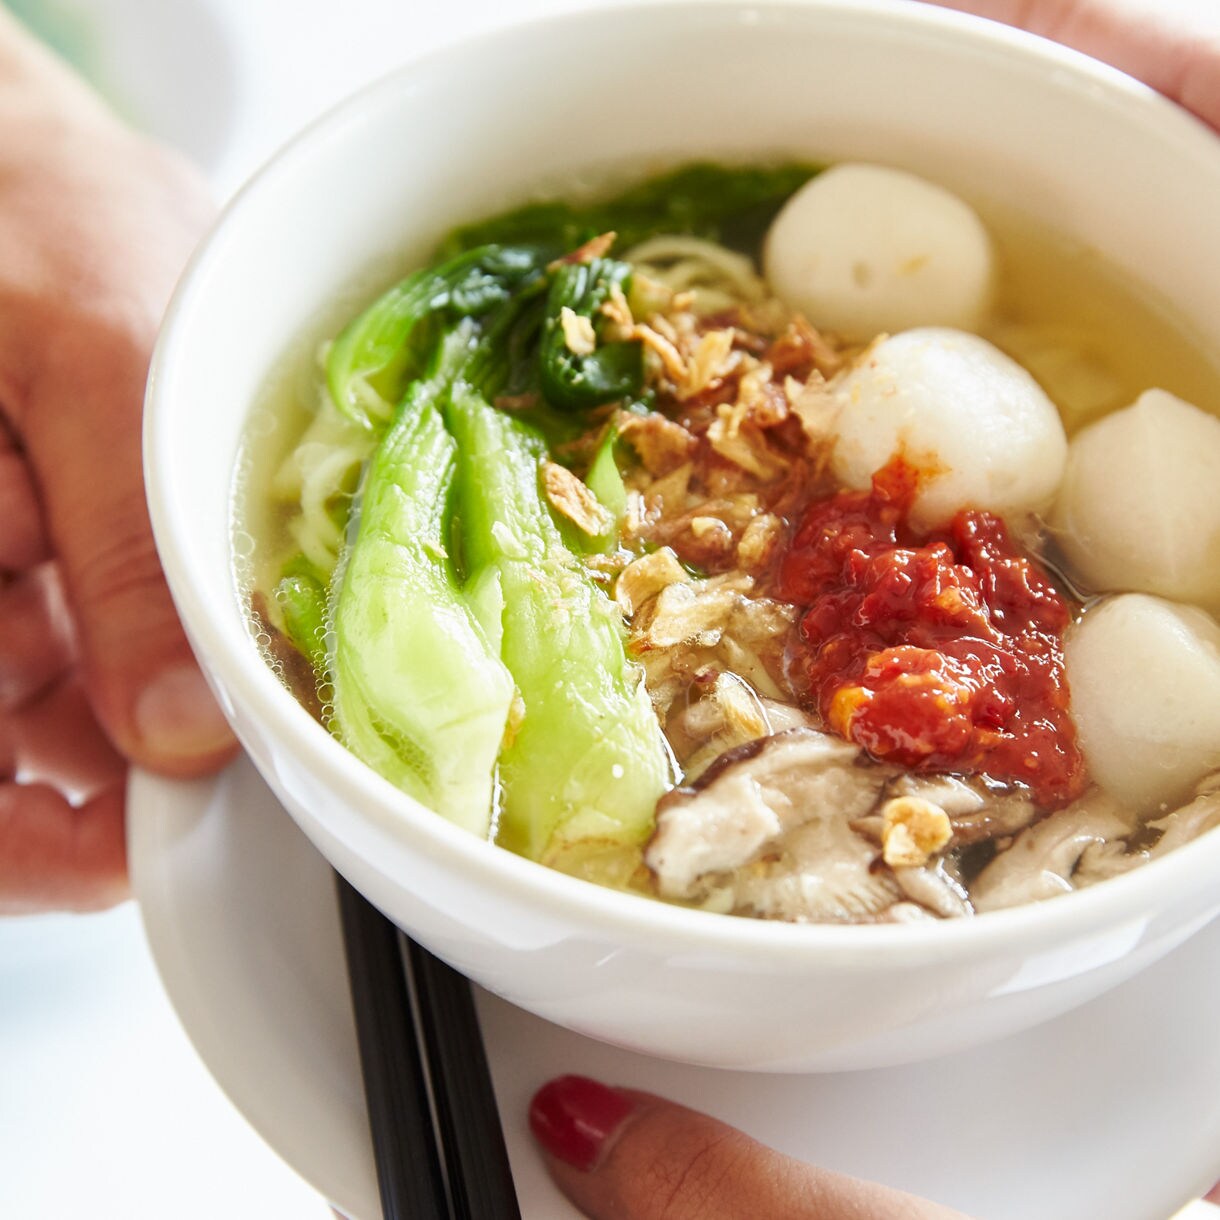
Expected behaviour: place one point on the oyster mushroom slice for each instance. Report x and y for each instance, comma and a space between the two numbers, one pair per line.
1193, 819
976, 810
1043, 859
753, 799
815, 873
954, 795
934, 890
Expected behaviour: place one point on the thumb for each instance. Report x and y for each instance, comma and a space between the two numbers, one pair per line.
84, 441
620, 1154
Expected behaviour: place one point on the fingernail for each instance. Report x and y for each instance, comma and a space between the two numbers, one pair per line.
573, 1117
177, 716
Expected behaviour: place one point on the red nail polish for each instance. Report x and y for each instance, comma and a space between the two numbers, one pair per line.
573, 1116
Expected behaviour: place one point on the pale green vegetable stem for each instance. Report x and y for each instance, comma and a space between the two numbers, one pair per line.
418, 692
586, 762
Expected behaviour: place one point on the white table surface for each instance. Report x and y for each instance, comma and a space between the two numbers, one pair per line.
105, 1110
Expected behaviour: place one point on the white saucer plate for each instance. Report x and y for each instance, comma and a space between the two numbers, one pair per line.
1111, 1111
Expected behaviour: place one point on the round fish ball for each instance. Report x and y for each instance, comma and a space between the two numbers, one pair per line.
1144, 675
1140, 504
979, 428
864, 249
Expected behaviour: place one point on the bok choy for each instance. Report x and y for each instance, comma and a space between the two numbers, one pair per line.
472, 659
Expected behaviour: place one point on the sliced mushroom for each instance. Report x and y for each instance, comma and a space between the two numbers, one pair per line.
770, 822
817, 873
1199, 816
977, 810
1043, 859
954, 795
905, 912
1101, 861
935, 890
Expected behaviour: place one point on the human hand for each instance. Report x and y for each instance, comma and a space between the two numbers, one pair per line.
1172, 45
620, 1154
95, 225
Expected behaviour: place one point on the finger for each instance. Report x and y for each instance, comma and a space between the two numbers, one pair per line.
36, 643
54, 856
23, 541
125, 217
56, 740
83, 429
619, 1154
1175, 49
1213, 1195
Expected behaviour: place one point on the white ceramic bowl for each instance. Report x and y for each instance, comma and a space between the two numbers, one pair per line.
479, 126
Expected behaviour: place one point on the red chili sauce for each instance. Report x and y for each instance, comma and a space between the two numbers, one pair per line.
940, 652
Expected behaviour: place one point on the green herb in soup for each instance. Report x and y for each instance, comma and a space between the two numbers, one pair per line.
695, 541
731, 207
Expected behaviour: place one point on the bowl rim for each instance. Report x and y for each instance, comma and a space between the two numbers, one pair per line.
1150, 888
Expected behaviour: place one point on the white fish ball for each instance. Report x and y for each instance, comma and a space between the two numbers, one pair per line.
865, 249
1144, 676
979, 428
1140, 504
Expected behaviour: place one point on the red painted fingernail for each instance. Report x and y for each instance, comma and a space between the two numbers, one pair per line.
572, 1117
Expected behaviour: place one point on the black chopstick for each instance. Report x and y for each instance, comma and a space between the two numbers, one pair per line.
471, 1138
437, 1140
410, 1172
